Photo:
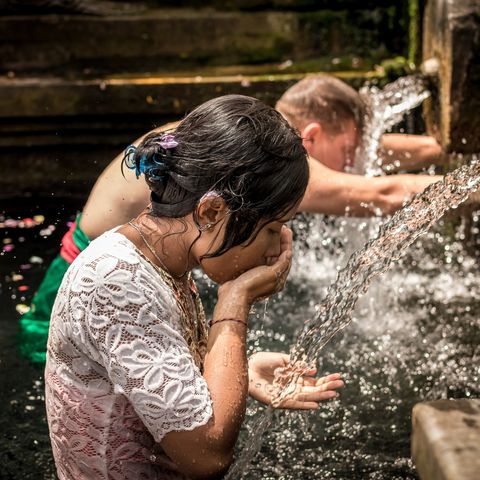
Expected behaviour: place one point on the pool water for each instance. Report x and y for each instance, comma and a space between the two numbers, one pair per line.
414, 337
25, 445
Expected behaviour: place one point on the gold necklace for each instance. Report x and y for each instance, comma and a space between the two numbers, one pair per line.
152, 250
195, 333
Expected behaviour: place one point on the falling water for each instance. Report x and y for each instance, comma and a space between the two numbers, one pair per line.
378, 254
386, 107
376, 257
344, 235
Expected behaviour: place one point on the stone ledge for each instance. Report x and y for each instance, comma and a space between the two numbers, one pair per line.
64, 132
162, 40
446, 439
58, 112
125, 7
41, 97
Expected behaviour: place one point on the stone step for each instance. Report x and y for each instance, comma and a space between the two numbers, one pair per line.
50, 111
163, 40
277, 4
452, 37
106, 7
446, 439
64, 132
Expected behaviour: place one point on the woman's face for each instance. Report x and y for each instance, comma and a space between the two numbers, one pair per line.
263, 250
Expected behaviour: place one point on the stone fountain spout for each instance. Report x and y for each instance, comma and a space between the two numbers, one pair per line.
430, 67
445, 436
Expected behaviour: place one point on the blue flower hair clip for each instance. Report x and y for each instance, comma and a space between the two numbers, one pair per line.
157, 171
132, 162
153, 167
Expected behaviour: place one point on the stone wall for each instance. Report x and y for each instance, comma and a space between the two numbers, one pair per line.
446, 439
164, 40
80, 79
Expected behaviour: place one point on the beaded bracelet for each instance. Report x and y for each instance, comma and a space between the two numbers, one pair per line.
214, 322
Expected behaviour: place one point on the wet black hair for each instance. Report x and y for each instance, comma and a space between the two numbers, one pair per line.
236, 146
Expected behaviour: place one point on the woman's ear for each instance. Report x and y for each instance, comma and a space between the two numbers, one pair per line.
211, 210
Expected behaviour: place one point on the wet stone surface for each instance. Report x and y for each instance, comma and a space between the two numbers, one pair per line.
452, 36
446, 439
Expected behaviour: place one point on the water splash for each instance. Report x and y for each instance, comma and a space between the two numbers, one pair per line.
386, 107
341, 236
334, 314
377, 255
332, 240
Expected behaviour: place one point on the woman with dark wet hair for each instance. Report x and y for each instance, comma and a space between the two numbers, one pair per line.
137, 386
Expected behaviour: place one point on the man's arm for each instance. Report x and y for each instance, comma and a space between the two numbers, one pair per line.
409, 152
338, 193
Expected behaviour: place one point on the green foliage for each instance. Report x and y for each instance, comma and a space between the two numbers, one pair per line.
413, 30
396, 67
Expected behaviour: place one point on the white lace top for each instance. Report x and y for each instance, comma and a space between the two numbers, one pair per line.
119, 374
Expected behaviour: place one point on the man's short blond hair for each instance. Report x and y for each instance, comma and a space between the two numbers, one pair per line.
324, 99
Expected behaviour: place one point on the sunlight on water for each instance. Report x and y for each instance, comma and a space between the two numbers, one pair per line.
376, 257
386, 107
335, 312
412, 336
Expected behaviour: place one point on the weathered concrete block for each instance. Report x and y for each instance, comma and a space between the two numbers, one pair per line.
452, 35
281, 4
85, 7
53, 97
446, 439
163, 95
103, 7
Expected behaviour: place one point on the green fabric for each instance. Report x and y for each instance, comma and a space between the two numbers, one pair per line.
80, 239
34, 324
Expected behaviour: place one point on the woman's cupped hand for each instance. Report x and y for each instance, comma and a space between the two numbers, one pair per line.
307, 390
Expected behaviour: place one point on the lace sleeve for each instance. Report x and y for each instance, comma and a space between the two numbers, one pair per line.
133, 328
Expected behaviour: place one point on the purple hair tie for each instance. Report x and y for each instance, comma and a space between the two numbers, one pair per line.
168, 142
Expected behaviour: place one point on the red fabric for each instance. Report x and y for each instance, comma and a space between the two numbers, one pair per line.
69, 251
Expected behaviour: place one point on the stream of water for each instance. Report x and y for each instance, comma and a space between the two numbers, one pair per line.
335, 312
385, 108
